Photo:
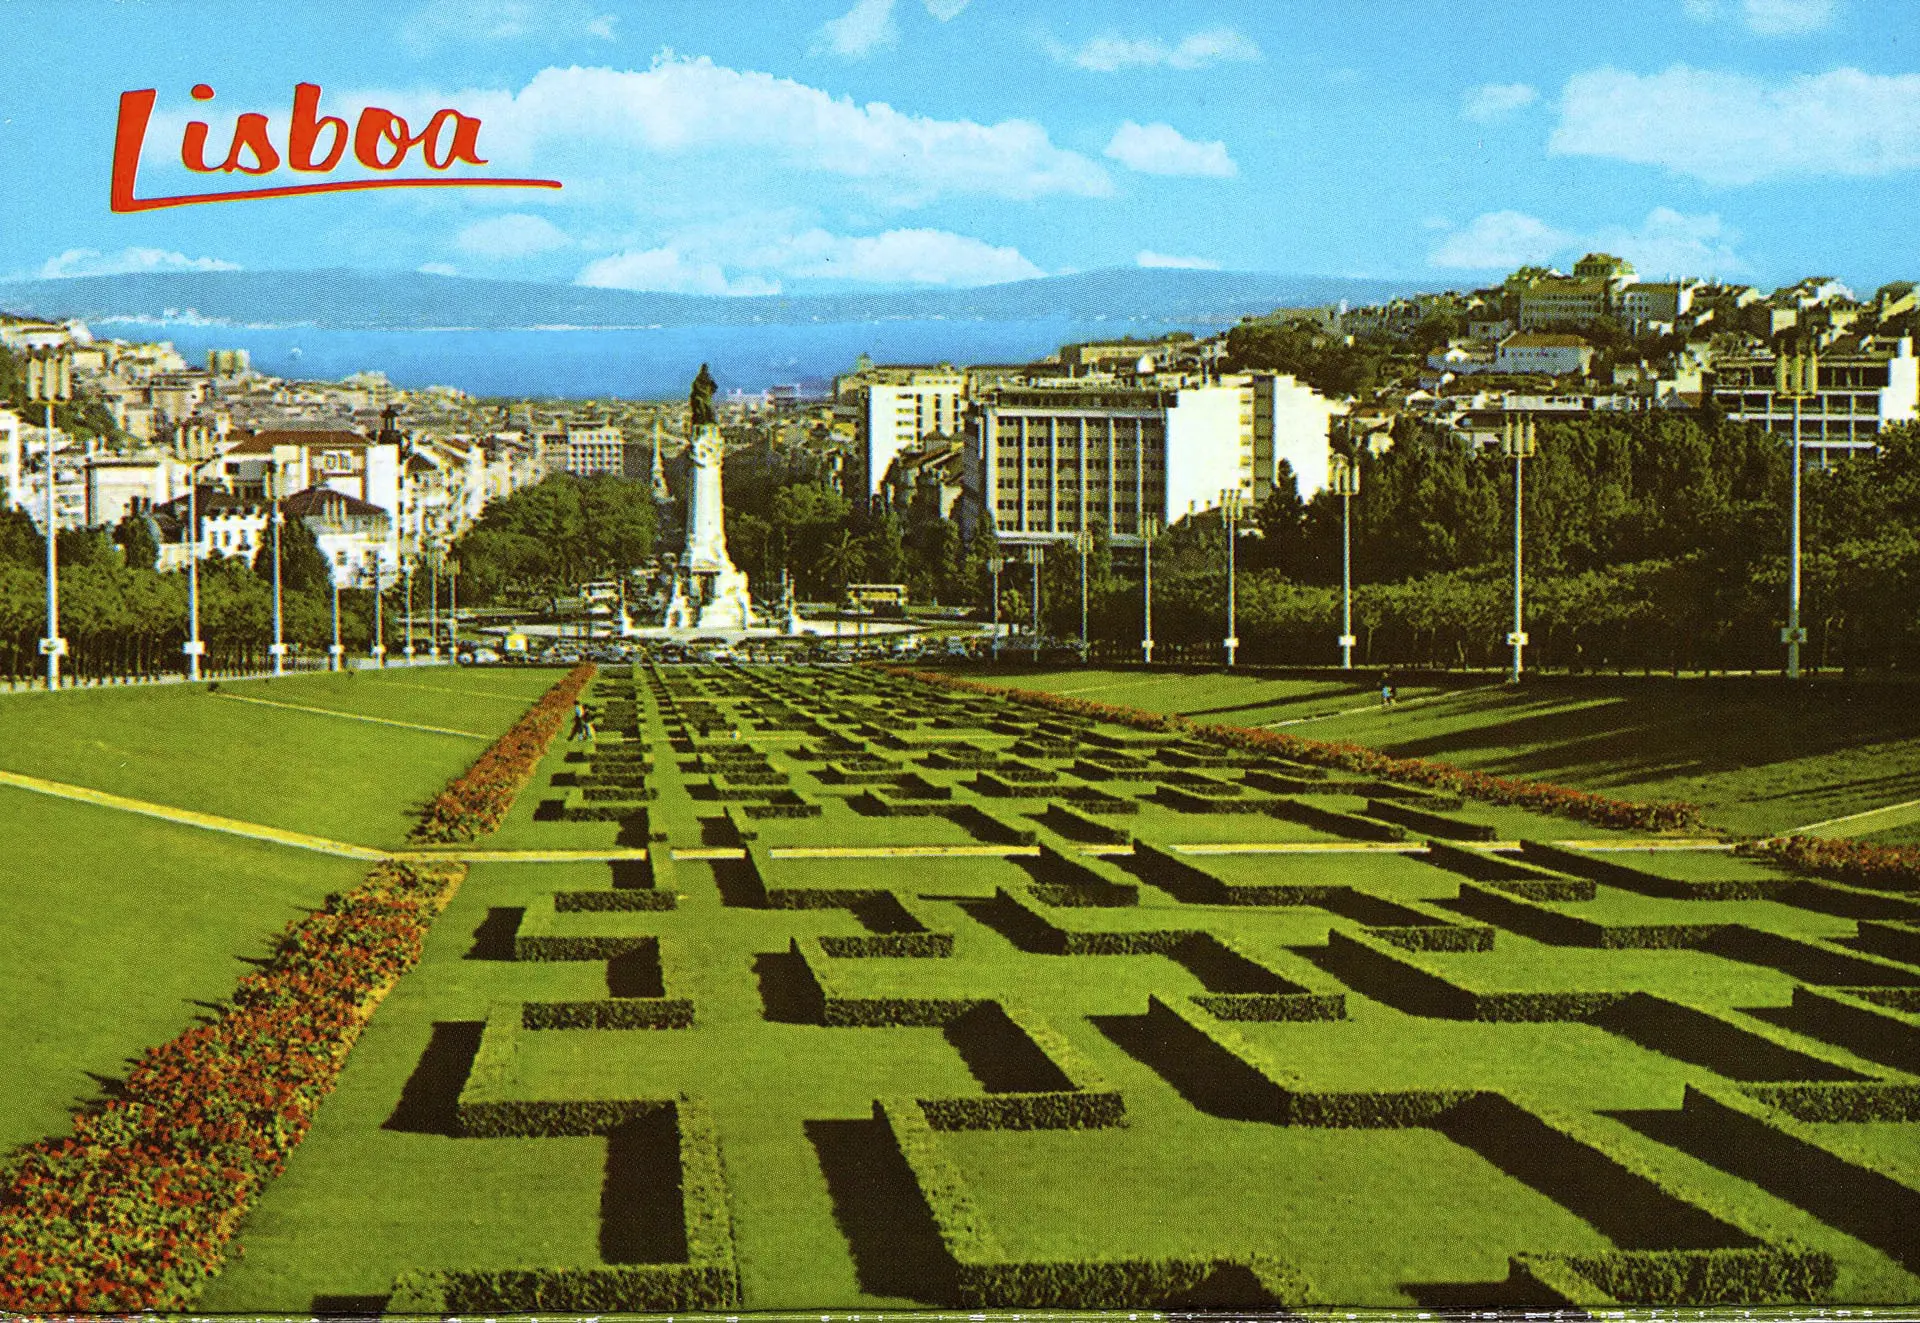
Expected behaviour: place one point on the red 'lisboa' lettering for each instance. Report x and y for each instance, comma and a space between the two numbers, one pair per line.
381, 140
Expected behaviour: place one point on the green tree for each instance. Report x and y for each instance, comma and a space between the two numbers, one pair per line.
138, 546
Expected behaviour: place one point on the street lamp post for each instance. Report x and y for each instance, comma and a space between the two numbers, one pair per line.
193, 647
379, 622
1083, 543
1345, 474
453, 607
1149, 529
50, 378
433, 602
336, 655
1035, 555
1230, 513
995, 563
1797, 377
1519, 442
279, 648
406, 568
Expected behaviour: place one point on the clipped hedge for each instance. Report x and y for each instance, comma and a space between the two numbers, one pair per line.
985, 1277
1871, 1100
1744, 1276
1427, 822
1337, 822
614, 900
709, 1279
1400, 978
1542, 923
839, 1011
1882, 867
1536, 795
609, 1013
134, 1210
907, 946
476, 801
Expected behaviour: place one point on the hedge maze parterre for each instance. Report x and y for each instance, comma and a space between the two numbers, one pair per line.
897, 994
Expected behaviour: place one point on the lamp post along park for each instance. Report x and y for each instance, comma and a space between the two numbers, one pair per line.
406, 568
379, 649
50, 378
1083, 543
1036, 554
1149, 529
453, 607
1343, 471
336, 655
274, 483
1797, 377
995, 563
1519, 442
1230, 501
195, 648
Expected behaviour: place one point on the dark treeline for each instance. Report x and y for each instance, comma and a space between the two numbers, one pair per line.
121, 617
1650, 542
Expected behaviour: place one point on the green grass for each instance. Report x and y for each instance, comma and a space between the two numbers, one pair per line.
346, 780
1759, 756
1381, 1217
122, 929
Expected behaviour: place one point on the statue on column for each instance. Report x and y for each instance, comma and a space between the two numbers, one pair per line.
709, 591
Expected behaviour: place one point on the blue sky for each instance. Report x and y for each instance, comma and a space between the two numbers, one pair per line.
746, 148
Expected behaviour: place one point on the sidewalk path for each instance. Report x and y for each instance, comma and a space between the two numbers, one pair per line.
354, 716
191, 818
1864, 823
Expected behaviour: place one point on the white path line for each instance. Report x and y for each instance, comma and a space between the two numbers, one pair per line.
446, 689
354, 716
1375, 707
190, 817
1812, 827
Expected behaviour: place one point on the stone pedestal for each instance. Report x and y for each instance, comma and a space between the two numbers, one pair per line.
708, 591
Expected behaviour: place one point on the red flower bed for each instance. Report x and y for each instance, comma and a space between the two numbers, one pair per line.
133, 1210
476, 801
1541, 796
1891, 867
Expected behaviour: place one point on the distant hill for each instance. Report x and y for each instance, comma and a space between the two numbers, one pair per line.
378, 300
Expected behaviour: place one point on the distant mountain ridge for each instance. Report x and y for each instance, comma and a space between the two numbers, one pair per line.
375, 300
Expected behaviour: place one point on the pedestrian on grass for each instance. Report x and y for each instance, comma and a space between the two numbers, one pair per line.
1386, 689
582, 728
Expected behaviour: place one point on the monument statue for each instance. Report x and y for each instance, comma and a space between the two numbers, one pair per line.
709, 592
700, 400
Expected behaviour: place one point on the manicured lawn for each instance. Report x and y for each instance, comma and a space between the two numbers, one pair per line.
122, 930
346, 780
823, 1218
1759, 756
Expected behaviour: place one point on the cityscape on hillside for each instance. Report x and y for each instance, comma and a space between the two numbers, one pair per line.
1118, 433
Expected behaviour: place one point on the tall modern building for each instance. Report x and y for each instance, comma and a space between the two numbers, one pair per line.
1862, 389
894, 408
1046, 461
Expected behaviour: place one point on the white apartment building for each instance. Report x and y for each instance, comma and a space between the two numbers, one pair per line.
586, 448
1859, 392
1045, 462
1291, 421
1550, 353
367, 469
893, 415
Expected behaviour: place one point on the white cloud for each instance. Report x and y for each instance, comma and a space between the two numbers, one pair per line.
1111, 53
862, 30
437, 269
946, 10
1148, 258
1499, 240
1730, 128
752, 255
1666, 243
1767, 18
1159, 149
1490, 101
93, 262
712, 116
667, 270
444, 22
515, 234
916, 256
1669, 243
